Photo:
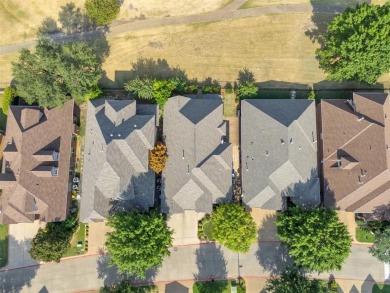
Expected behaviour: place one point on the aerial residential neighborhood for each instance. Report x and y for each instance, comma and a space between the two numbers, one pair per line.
195, 146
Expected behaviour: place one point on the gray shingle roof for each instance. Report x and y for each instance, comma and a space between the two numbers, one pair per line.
116, 174
279, 153
199, 167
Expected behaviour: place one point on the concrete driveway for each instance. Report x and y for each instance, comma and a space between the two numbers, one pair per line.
185, 227
19, 238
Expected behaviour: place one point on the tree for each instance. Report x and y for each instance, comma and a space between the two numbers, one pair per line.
247, 90
157, 89
139, 241
51, 243
381, 247
55, 73
102, 12
8, 96
357, 44
143, 88
292, 281
162, 90
158, 157
316, 238
234, 227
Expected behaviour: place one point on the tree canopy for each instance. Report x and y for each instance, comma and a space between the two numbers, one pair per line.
139, 241
357, 44
247, 90
292, 280
158, 90
51, 243
158, 157
381, 247
102, 12
316, 238
234, 227
55, 73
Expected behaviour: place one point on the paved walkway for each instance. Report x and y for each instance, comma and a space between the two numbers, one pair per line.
229, 12
19, 238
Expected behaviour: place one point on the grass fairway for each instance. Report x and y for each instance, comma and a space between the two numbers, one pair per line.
273, 47
343, 3
3, 245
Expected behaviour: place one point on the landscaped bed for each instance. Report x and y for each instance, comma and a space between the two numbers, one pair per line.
205, 229
3, 245
220, 286
78, 244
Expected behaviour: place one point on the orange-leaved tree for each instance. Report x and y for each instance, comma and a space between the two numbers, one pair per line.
158, 157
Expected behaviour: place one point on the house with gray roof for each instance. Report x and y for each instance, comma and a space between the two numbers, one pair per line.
279, 153
116, 176
199, 166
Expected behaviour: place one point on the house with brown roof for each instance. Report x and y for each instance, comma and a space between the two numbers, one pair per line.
37, 157
355, 151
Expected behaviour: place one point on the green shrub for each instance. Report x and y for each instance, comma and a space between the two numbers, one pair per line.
312, 95
211, 89
192, 89
7, 99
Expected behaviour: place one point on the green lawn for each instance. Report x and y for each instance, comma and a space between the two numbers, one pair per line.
229, 105
380, 288
3, 245
79, 236
363, 235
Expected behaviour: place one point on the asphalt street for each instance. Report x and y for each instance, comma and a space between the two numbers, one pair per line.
187, 262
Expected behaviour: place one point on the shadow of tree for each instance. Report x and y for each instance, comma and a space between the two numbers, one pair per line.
109, 273
74, 26
159, 69
211, 262
273, 257
12, 281
382, 212
245, 75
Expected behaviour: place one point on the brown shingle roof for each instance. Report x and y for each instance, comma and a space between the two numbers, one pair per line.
355, 157
32, 135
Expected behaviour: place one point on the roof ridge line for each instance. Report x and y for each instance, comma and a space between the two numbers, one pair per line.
308, 139
352, 138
